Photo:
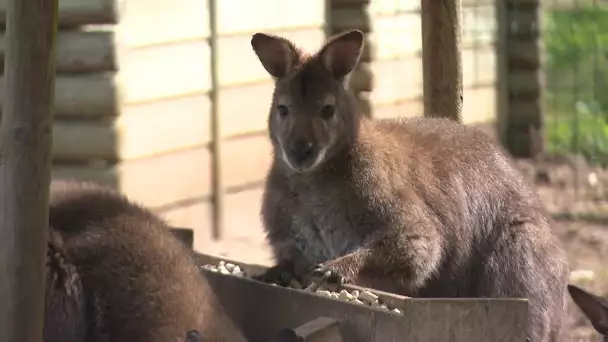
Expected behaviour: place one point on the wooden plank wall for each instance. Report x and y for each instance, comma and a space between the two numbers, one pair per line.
132, 91
397, 65
244, 100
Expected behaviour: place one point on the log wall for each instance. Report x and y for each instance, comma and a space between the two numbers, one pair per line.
133, 106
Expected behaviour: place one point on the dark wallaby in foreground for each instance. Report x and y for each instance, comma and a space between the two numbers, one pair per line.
595, 308
125, 276
421, 207
65, 302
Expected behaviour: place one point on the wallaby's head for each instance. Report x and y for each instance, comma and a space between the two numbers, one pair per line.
594, 307
312, 115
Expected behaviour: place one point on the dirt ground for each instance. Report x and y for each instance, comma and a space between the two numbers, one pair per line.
577, 196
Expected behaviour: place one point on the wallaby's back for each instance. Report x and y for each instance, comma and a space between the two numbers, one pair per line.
140, 282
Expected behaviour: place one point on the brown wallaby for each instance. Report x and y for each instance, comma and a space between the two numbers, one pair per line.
421, 207
133, 279
65, 302
595, 308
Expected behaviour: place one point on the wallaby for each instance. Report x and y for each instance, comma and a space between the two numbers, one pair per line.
135, 280
65, 302
420, 207
595, 308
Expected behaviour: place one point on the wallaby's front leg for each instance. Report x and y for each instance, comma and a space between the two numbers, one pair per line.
402, 260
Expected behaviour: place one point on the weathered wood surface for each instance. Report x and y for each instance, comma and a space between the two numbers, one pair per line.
77, 12
87, 95
185, 235
25, 166
470, 320
322, 329
183, 175
160, 22
80, 51
521, 120
348, 18
245, 160
237, 62
441, 58
195, 214
273, 15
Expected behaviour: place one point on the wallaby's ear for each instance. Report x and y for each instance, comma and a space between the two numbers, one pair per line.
341, 53
278, 55
594, 307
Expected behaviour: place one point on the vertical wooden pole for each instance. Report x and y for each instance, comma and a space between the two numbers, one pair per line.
25, 166
523, 87
441, 58
216, 130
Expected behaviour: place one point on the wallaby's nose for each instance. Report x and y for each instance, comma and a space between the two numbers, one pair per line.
301, 150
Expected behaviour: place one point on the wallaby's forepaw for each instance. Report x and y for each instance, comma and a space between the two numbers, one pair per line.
280, 274
194, 336
327, 277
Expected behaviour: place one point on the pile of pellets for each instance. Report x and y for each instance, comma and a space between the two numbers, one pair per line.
356, 296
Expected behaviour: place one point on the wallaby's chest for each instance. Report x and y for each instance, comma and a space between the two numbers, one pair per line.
324, 228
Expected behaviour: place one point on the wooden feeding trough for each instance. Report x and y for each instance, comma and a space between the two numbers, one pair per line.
264, 311
271, 313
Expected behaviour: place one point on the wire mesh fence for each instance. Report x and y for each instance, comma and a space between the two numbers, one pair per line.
567, 41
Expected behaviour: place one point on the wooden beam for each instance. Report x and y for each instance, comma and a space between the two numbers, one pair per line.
322, 329
77, 12
441, 58
25, 166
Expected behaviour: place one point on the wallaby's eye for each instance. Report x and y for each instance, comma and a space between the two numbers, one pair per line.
283, 110
328, 112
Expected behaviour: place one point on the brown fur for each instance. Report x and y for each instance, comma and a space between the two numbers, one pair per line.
65, 319
595, 308
421, 207
138, 282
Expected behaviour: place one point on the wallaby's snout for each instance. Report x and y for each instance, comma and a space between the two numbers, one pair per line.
301, 151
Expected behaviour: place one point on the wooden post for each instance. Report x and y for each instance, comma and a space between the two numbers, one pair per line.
441, 58
25, 166
522, 85
216, 130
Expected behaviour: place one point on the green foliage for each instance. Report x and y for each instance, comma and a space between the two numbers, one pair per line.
576, 44
574, 35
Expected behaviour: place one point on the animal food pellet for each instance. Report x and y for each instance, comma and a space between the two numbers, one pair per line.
223, 270
221, 263
355, 293
395, 310
324, 293
358, 302
230, 267
335, 295
367, 296
383, 307
345, 295
236, 269
375, 304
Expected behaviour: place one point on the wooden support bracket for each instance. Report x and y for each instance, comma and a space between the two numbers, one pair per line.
322, 329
